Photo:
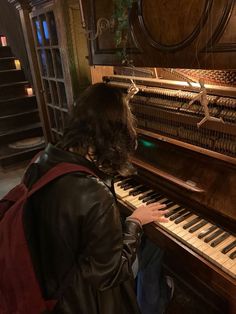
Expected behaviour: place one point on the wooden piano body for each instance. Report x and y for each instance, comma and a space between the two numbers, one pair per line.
194, 168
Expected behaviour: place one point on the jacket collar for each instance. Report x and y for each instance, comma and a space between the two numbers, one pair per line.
53, 155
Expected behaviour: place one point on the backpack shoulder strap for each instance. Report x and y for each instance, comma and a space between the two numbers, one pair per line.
53, 173
56, 172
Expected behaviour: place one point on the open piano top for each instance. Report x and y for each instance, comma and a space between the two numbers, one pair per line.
192, 170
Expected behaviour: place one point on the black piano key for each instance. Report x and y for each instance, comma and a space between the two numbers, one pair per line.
229, 247
178, 214
151, 201
149, 197
198, 226
205, 232
154, 199
123, 182
128, 182
192, 222
140, 190
220, 239
129, 186
166, 202
169, 203
233, 255
141, 197
182, 218
213, 235
173, 211
122, 186
135, 189
116, 179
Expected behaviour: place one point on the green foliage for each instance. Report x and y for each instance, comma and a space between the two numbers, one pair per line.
121, 18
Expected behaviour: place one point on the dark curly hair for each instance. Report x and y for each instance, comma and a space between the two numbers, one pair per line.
102, 120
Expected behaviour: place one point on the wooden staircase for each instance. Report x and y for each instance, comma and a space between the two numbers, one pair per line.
19, 117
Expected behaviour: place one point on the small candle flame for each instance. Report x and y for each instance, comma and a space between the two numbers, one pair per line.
3, 40
17, 64
29, 91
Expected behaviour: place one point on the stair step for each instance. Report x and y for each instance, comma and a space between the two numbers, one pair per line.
7, 63
11, 76
17, 105
13, 90
16, 134
10, 155
18, 120
18, 114
5, 52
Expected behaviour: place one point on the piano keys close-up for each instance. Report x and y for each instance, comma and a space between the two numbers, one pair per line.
172, 64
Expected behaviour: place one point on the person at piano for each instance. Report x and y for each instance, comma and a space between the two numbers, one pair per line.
73, 225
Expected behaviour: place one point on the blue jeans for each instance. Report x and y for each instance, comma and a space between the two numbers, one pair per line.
152, 291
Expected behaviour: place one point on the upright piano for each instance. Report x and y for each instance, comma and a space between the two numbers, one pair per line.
190, 168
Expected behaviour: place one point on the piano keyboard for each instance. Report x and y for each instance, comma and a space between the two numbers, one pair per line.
205, 238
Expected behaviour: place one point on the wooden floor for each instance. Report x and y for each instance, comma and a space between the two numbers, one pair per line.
9, 177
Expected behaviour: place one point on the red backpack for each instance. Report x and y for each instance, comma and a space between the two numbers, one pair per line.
20, 292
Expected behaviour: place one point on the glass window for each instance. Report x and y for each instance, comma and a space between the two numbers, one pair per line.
54, 93
52, 28
58, 65
47, 92
43, 62
50, 63
60, 125
38, 32
52, 117
44, 28
52, 76
62, 91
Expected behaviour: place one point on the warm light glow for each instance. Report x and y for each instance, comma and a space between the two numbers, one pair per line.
3, 41
17, 64
29, 91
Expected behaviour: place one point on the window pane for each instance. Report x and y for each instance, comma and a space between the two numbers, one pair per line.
58, 65
47, 92
63, 99
39, 37
43, 63
54, 93
50, 63
52, 28
51, 117
65, 118
43, 21
59, 120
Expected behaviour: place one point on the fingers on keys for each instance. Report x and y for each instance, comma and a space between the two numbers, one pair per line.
158, 211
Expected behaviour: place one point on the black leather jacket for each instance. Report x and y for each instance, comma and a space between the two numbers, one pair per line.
80, 253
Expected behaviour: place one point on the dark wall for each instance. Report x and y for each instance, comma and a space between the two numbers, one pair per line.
10, 26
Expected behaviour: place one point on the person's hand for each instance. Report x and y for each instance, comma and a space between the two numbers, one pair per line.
149, 213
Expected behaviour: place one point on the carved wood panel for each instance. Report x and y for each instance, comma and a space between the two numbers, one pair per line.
169, 33
104, 49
